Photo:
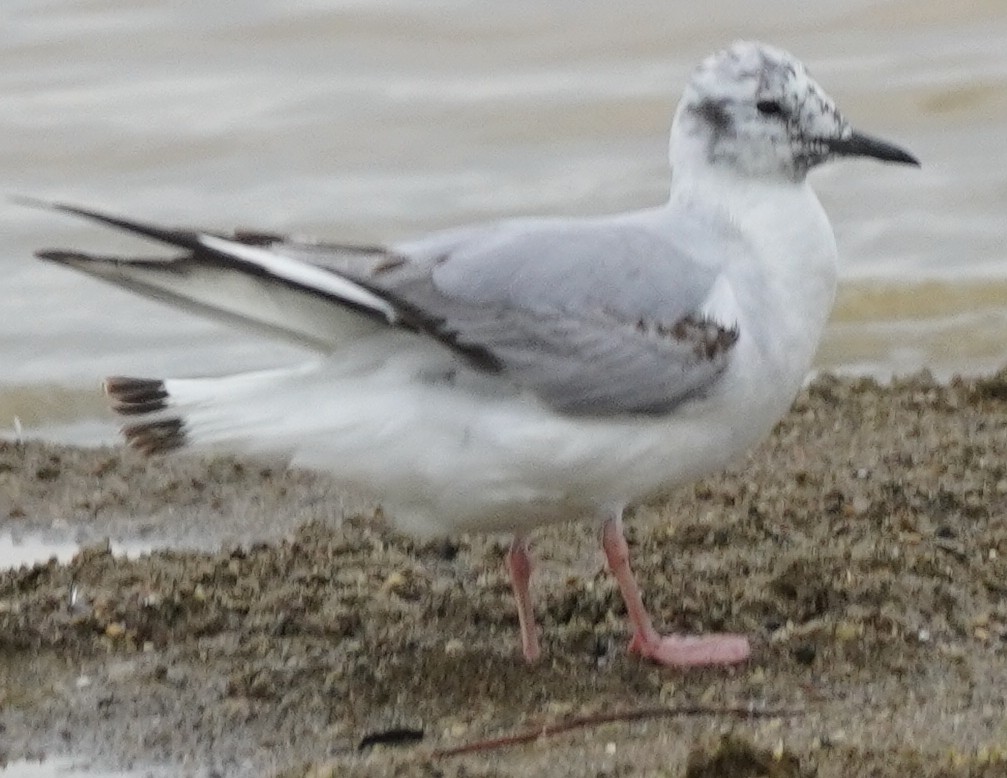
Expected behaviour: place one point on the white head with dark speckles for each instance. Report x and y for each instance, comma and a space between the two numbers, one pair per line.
753, 109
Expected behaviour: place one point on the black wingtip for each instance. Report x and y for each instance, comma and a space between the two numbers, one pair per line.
32, 202
186, 239
54, 205
60, 256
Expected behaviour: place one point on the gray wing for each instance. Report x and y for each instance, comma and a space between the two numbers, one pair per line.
593, 316
603, 316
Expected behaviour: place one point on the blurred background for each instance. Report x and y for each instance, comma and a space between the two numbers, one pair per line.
364, 120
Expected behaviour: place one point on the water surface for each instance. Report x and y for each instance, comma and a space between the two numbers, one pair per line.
375, 120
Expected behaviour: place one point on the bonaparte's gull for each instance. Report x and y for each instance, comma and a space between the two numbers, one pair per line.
509, 375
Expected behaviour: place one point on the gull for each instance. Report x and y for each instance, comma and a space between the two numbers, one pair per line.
504, 376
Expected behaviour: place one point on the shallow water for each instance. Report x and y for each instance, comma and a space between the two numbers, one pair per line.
66, 767
25, 549
373, 120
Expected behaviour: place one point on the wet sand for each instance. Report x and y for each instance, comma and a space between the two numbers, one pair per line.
862, 547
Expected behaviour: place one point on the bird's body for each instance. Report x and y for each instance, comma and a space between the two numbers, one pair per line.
503, 376
449, 449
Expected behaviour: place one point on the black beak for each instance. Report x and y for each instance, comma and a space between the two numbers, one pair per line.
860, 145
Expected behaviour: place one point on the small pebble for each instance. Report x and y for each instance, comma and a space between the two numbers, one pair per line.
393, 583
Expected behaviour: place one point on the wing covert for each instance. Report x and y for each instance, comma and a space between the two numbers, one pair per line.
593, 316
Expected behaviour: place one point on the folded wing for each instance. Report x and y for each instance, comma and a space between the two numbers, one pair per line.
240, 281
594, 317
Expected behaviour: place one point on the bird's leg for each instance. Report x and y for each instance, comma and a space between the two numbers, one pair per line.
519, 568
669, 650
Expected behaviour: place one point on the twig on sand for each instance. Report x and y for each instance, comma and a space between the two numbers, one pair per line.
597, 719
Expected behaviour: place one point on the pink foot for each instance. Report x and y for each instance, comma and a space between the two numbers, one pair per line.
670, 650
692, 650
519, 568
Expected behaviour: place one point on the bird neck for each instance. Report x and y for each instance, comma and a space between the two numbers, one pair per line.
713, 183
789, 258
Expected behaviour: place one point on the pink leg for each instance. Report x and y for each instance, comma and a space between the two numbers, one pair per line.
519, 567
669, 650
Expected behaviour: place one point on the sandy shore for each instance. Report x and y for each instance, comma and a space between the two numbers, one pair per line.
864, 548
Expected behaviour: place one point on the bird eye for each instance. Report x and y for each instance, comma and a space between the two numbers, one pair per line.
769, 107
